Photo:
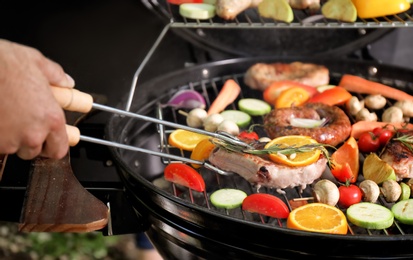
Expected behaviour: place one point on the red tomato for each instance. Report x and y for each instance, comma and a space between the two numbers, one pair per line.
184, 175
332, 96
248, 135
383, 134
368, 142
266, 204
349, 195
343, 173
274, 90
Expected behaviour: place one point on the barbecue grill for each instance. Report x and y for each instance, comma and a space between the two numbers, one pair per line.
182, 223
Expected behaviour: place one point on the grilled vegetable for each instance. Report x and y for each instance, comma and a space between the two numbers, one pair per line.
228, 126
377, 170
187, 99
226, 96
201, 151
272, 92
195, 117
364, 126
325, 191
332, 96
391, 190
349, 195
253, 106
377, 8
342, 10
197, 11
363, 86
294, 96
279, 10
405, 191
266, 204
212, 121
241, 118
403, 211
228, 198
370, 215
370, 191
184, 175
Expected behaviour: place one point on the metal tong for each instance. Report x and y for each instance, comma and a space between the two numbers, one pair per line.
77, 101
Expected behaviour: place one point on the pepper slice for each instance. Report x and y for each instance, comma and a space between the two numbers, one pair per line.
378, 8
184, 175
266, 204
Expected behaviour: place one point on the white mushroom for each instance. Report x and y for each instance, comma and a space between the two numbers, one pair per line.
354, 105
370, 190
195, 117
375, 101
229, 126
391, 190
212, 122
325, 191
392, 115
365, 115
406, 106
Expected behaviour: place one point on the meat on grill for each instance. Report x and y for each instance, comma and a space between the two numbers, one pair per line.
398, 156
229, 9
304, 4
261, 172
261, 75
337, 129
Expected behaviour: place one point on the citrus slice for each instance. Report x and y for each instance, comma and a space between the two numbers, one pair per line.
318, 217
185, 140
294, 159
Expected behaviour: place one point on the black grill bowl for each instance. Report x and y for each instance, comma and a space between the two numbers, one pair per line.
181, 229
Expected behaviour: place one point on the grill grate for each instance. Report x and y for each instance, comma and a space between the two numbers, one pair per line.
250, 19
215, 181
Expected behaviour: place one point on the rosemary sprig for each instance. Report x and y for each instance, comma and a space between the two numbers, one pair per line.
406, 140
277, 149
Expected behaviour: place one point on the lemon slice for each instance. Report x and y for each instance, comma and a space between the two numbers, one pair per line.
295, 159
185, 140
276, 9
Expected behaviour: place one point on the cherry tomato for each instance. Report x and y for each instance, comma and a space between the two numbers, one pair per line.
343, 173
266, 204
184, 175
332, 96
248, 135
349, 195
368, 142
383, 134
272, 92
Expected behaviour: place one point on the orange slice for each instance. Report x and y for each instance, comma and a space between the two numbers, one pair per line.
295, 159
185, 140
318, 217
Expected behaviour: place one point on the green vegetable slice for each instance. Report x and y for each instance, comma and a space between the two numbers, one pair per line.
197, 11
254, 107
369, 215
403, 211
241, 118
228, 198
405, 191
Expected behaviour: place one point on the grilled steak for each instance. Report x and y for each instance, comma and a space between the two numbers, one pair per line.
261, 172
261, 75
229, 9
398, 156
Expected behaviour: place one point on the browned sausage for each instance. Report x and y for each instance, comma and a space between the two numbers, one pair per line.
337, 130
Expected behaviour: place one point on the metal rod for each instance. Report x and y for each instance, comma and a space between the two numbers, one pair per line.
143, 64
222, 136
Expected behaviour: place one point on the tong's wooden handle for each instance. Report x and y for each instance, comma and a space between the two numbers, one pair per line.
73, 100
73, 134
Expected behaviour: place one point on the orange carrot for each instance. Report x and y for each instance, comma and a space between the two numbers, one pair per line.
363, 86
365, 126
226, 96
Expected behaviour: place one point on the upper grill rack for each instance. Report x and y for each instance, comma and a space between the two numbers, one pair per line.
250, 19
215, 181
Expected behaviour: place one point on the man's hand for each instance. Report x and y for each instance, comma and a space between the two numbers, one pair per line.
31, 121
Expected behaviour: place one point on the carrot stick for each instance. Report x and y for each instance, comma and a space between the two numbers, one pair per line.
366, 126
363, 86
226, 96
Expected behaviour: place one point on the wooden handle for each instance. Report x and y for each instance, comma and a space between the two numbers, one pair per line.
73, 99
73, 133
